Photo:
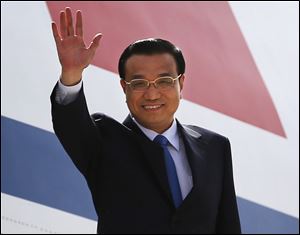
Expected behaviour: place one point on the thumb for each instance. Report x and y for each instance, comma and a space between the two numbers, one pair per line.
95, 43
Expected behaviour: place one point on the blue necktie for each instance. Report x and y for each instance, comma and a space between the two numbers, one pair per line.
171, 170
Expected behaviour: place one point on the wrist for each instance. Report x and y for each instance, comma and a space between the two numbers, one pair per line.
71, 77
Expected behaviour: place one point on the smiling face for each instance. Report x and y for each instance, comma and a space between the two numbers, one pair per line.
153, 108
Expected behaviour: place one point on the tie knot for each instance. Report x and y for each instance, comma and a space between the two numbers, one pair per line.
160, 139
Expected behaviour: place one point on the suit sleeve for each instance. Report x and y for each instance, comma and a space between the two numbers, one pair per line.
76, 131
228, 217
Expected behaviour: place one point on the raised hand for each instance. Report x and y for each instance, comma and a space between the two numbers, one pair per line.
73, 55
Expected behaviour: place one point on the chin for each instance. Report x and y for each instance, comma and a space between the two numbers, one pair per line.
152, 121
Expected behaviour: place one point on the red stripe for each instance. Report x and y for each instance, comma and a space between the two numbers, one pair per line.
221, 73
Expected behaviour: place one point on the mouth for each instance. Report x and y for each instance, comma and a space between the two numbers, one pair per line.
152, 108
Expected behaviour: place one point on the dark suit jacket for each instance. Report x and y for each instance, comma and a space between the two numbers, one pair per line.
126, 174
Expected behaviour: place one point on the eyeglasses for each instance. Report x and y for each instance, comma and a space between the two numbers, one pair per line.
161, 83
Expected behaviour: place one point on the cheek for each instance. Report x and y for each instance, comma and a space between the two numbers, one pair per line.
132, 100
174, 102
174, 97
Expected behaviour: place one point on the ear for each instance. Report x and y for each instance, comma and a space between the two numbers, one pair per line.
123, 84
181, 81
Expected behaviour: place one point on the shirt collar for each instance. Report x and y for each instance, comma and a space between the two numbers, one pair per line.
171, 134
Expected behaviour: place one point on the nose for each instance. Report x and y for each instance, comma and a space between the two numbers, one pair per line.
152, 93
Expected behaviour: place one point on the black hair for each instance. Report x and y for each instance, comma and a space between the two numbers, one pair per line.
151, 46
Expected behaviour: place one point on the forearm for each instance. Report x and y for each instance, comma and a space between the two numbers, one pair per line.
75, 129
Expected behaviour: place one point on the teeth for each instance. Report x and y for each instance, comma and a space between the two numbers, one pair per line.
152, 106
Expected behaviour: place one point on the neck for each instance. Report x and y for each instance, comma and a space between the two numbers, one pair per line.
158, 128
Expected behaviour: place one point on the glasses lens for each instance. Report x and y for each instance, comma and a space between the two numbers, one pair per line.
139, 85
164, 82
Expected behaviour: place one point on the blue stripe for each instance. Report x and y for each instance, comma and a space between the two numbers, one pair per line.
258, 219
35, 167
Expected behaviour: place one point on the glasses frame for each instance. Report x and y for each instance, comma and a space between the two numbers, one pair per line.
150, 82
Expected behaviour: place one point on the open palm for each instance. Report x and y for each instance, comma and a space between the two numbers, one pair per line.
72, 52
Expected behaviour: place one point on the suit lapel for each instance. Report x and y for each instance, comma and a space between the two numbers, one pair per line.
153, 155
195, 147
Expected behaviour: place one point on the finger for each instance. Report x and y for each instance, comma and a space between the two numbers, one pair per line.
70, 27
63, 25
95, 43
56, 34
79, 30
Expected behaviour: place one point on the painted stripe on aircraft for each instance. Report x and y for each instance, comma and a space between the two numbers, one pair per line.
34, 166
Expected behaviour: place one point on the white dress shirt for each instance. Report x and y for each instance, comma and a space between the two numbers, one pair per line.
177, 151
67, 94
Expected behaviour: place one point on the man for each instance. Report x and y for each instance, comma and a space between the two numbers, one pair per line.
150, 174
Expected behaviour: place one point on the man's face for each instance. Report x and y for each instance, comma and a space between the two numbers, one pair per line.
153, 108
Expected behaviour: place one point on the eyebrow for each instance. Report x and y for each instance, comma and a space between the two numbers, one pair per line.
165, 74
139, 76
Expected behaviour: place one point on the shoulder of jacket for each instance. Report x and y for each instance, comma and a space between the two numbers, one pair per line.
102, 120
203, 133
98, 117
